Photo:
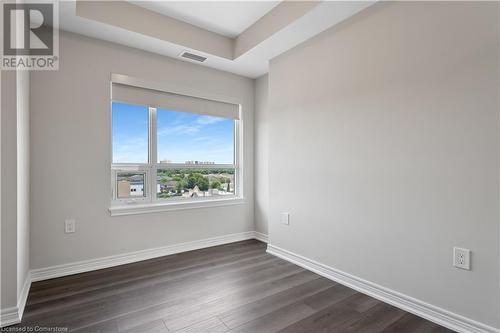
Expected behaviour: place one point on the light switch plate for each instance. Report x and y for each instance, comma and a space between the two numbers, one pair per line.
285, 218
461, 258
69, 226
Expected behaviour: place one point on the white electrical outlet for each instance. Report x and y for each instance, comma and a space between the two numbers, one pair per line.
461, 258
69, 226
285, 218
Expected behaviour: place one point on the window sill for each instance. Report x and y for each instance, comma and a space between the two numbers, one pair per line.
140, 208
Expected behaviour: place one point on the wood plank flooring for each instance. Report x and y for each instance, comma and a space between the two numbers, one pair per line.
230, 288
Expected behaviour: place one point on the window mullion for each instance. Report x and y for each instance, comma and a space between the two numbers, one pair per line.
152, 153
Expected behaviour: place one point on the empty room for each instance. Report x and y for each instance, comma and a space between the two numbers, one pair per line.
250, 166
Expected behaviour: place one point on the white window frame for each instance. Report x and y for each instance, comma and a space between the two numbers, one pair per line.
150, 202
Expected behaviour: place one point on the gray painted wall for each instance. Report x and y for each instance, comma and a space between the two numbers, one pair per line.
70, 155
23, 178
15, 185
384, 148
261, 144
8, 291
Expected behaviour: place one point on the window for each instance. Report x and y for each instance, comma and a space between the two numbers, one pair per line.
130, 133
174, 149
186, 136
130, 184
195, 183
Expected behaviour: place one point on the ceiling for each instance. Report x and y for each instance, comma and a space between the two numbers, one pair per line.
228, 18
237, 37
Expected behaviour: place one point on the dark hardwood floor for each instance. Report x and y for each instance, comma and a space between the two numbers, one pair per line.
230, 288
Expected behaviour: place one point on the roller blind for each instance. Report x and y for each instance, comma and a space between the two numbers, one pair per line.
160, 99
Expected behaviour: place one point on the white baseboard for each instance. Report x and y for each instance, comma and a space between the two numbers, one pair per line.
430, 312
127, 258
260, 236
9, 316
13, 315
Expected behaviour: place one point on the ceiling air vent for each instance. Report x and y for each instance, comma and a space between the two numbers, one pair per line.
194, 57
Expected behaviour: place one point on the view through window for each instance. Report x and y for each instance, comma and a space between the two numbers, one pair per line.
166, 155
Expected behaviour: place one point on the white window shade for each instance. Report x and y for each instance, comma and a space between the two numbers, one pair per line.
171, 101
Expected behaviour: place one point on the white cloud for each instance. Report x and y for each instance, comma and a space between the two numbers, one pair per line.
189, 128
180, 129
207, 120
130, 150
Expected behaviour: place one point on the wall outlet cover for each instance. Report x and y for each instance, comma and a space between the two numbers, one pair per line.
69, 226
461, 258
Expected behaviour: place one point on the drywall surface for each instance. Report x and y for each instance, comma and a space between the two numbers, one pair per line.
261, 144
8, 291
384, 148
23, 178
279, 17
71, 155
15, 231
141, 20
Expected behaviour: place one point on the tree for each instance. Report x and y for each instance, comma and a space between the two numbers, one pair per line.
181, 185
192, 180
228, 183
197, 179
203, 183
215, 184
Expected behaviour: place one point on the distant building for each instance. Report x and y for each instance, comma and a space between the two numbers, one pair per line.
128, 189
137, 190
123, 189
199, 162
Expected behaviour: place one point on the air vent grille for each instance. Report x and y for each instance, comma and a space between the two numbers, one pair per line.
192, 56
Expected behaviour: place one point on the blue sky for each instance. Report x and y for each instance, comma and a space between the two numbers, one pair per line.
182, 136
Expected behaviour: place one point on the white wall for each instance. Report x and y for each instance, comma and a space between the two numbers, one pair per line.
14, 197
23, 178
8, 291
15, 186
261, 144
384, 147
70, 155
